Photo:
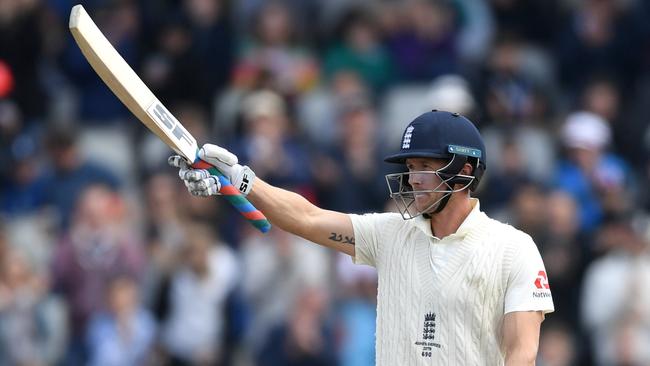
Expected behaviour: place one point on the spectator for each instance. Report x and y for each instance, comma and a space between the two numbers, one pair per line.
512, 87
518, 106
600, 36
23, 191
269, 144
557, 346
275, 57
165, 233
69, 174
193, 57
98, 105
537, 21
305, 339
602, 96
425, 45
98, 246
356, 313
275, 267
510, 177
452, 93
33, 326
361, 51
477, 27
317, 112
349, 174
124, 334
619, 321
193, 332
567, 251
599, 181
11, 127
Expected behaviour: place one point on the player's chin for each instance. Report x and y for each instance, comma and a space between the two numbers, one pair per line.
423, 201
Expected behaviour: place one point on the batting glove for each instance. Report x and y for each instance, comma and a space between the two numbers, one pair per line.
200, 182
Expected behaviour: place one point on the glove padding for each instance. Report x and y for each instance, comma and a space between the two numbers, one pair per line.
200, 182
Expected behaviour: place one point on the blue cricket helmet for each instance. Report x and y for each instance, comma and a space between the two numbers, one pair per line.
444, 135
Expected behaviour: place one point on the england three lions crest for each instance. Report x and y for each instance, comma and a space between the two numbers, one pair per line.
428, 335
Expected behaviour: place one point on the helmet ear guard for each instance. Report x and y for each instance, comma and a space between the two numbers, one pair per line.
479, 169
451, 172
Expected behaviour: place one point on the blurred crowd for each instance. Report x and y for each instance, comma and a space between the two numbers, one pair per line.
105, 259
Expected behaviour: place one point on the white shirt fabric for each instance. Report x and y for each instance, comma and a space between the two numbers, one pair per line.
443, 301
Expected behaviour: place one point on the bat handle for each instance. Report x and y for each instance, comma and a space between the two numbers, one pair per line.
232, 195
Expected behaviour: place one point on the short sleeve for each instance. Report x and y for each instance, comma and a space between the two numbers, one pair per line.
367, 229
528, 288
365, 243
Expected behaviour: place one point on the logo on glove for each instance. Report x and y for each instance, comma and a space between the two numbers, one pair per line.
244, 184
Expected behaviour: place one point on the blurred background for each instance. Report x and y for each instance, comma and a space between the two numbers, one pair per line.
105, 259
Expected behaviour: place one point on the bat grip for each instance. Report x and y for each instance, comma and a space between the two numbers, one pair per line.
236, 199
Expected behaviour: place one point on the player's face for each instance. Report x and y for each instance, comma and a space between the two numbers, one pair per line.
423, 178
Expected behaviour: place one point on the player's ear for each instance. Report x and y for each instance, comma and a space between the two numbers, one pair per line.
467, 169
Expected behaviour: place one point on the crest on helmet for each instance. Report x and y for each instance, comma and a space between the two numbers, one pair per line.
406, 143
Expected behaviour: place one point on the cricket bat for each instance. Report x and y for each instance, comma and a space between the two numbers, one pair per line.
137, 97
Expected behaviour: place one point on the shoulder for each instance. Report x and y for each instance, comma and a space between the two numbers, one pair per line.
381, 221
380, 217
508, 235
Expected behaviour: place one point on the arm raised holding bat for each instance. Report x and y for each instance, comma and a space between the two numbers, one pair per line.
137, 97
455, 286
288, 210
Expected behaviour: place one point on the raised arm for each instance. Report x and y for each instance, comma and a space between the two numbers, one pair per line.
293, 213
287, 210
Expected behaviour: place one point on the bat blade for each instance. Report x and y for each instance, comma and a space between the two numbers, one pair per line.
127, 86
137, 97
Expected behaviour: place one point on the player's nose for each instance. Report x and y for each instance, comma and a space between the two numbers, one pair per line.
414, 179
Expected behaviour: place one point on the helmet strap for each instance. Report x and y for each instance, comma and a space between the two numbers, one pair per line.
443, 203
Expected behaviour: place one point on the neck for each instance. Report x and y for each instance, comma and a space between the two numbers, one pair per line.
448, 221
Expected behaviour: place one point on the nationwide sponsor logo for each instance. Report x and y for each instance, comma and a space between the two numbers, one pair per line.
541, 295
428, 334
541, 282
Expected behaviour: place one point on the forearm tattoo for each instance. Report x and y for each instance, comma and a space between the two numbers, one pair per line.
342, 239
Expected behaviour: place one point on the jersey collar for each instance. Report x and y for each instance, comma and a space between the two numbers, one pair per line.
470, 222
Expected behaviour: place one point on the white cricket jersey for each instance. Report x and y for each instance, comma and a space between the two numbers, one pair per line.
443, 301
